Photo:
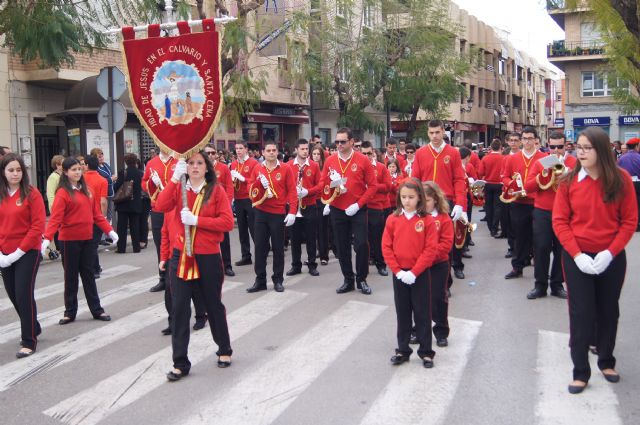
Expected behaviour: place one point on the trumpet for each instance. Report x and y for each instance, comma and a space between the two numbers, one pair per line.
549, 177
462, 227
301, 206
154, 173
514, 190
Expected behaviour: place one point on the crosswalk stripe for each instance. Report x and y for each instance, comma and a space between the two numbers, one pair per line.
264, 392
412, 387
555, 406
58, 288
92, 405
20, 370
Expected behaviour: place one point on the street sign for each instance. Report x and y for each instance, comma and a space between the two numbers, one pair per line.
568, 134
118, 83
119, 116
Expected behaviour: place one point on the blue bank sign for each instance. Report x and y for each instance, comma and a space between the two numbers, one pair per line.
590, 121
629, 120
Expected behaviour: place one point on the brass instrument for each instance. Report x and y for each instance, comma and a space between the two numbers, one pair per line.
330, 193
462, 226
236, 182
514, 190
300, 205
255, 193
549, 177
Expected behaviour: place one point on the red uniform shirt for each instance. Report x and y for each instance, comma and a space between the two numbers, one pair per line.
310, 175
491, 167
283, 185
167, 241
241, 189
361, 179
475, 160
444, 168
408, 244
223, 178
583, 222
393, 192
214, 218
380, 199
445, 237
544, 198
97, 185
164, 170
470, 170
519, 163
75, 217
22, 222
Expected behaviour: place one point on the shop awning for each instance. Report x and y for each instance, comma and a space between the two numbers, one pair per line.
277, 119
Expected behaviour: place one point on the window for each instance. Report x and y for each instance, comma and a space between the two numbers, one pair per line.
367, 15
501, 67
589, 33
463, 47
344, 68
594, 85
558, 97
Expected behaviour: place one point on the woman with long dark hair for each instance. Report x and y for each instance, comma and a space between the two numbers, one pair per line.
74, 214
129, 210
21, 225
208, 216
594, 217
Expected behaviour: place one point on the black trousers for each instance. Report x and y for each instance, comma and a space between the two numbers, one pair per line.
209, 289
593, 300
157, 220
198, 302
267, 227
493, 205
545, 243
455, 255
413, 302
522, 225
439, 274
131, 220
505, 223
225, 250
78, 257
323, 232
19, 283
246, 226
376, 221
144, 220
344, 229
305, 225
97, 235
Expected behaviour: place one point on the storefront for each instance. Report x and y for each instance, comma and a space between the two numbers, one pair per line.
580, 124
274, 123
629, 127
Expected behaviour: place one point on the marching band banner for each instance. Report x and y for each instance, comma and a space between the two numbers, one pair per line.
175, 84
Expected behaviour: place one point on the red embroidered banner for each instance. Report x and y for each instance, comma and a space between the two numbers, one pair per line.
175, 85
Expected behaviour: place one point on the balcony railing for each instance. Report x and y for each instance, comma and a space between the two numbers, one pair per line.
561, 48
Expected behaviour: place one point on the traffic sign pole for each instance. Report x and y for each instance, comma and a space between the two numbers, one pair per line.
114, 164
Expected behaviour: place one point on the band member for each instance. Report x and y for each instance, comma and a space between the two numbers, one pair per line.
156, 175
490, 168
471, 176
543, 183
514, 143
349, 176
325, 241
411, 156
376, 206
594, 217
223, 177
21, 226
272, 186
241, 169
402, 145
408, 242
391, 153
441, 163
517, 167
397, 177
309, 186
99, 189
74, 214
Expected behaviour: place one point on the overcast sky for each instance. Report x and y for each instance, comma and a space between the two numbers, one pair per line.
527, 21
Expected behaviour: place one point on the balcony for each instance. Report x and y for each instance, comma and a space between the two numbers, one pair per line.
560, 50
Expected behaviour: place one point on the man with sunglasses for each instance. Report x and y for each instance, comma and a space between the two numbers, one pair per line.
410, 152
348, 210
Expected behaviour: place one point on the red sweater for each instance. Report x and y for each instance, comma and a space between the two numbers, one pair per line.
393, 192
409, 244
283, 184
491, 167
246, 169
164, 170
444, 168
214, 219
97, 185
519, 163
167, 238
583, 222
310, 180
75, 217
445, 237
380, 199
544, 198
361, 179
223, 177
21, 223
475, 160
471, 171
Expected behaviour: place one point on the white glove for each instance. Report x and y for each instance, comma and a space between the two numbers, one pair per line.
289, 220
15, 256
302, 192
44, 246
4, 261
602, 261
334, 176
114, 237
237, 175
408, 278
180, 170
326, 210
188, 218
336, 183
456, 212
585, 264
156, 179
400, 275
264, 181
352, 209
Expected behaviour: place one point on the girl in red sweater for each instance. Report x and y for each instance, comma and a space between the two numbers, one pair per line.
397, 177
74, 214
208, 216
408, 243
594, 216
21, 225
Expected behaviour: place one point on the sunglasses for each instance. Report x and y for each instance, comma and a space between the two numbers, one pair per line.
411, 152
556, 146
341, 142
211, 153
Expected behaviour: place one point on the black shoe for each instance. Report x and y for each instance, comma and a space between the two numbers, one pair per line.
427, 362
472, 243
560, 293
23, 354
278, 286
398, 359
442, 342
371, 262
536, 293
314, 272
166, 331
66, 320
493, 234
324, 262
54, 255
103, 318
466, 255
244, 262
509, 254
229, 271
293, 271
383, 271
257, 287
157, 287
513, 274
610, 377
501, 236
459, 274
364, 287
413, 339
223, 363
172, 376
577, 389
199, 324
346, 287
96, 276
